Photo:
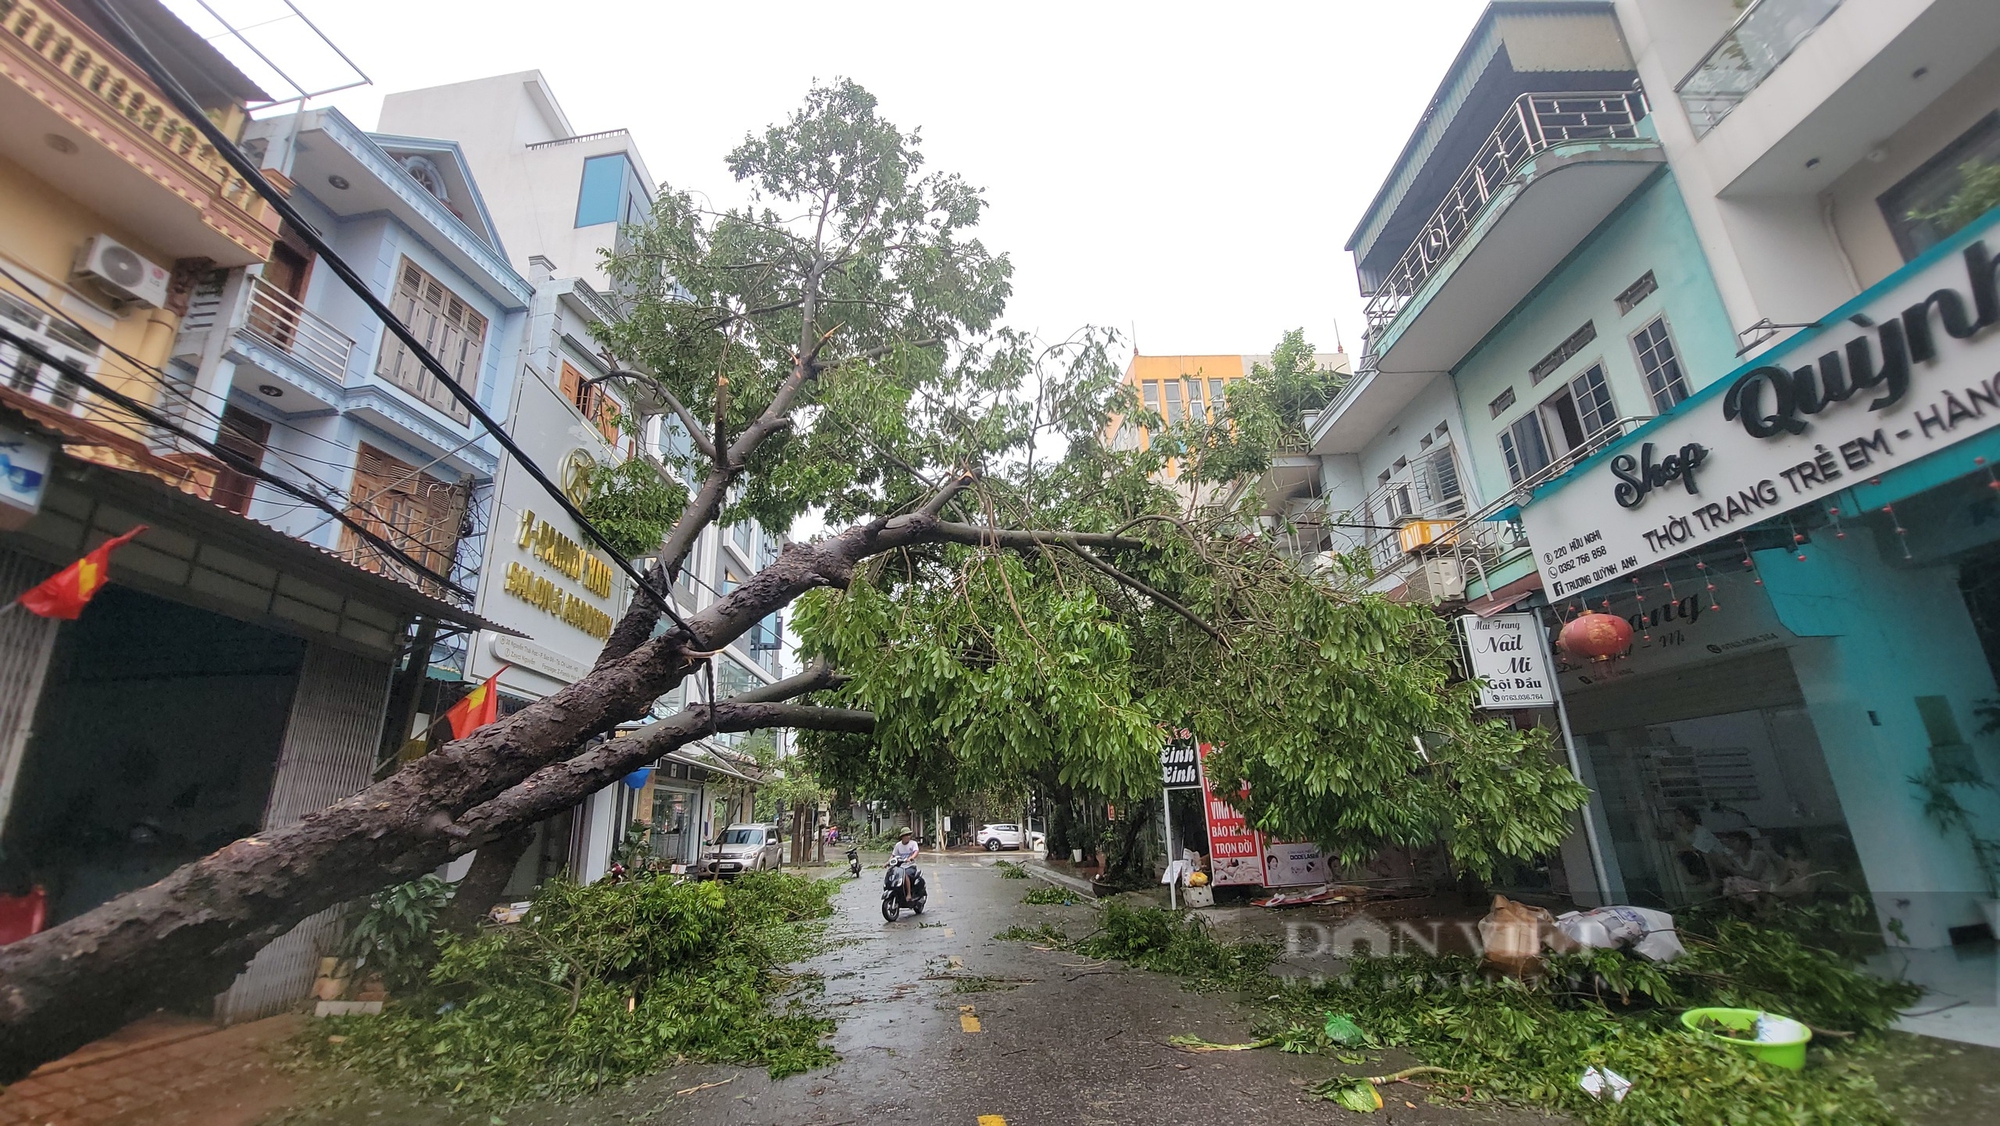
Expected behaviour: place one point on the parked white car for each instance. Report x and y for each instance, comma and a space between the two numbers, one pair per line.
743, 848
993, 838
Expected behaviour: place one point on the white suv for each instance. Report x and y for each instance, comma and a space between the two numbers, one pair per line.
993, 838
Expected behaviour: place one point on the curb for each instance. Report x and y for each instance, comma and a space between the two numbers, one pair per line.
1076, 884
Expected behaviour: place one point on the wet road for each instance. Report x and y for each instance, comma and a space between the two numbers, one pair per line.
1059, 1040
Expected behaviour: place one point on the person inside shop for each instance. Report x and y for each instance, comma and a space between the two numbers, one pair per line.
1700, 852
1747, 865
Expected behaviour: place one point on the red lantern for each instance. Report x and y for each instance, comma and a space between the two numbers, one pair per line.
1597, 637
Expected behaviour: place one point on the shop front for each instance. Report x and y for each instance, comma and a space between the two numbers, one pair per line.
1808, 553
228, 679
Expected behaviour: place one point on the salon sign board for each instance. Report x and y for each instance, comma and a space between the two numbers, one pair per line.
1908, 368
1509, 655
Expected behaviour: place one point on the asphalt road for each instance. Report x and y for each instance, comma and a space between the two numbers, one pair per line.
1053, 1040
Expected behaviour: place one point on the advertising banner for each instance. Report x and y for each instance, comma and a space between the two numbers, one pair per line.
1233, 856
1291, 863
1904, 370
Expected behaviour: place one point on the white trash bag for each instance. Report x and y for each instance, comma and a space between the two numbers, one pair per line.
1644, 931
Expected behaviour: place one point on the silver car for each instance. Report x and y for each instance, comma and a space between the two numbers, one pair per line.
743, 848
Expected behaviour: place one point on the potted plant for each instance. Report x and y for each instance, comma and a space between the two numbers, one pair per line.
1942, 807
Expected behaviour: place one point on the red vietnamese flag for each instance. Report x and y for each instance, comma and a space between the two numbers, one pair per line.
63, 594
480, 707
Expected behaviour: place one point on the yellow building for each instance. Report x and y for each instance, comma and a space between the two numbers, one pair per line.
1177, 388
112, 203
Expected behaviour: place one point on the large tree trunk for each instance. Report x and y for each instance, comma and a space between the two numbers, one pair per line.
185, 937
483, 886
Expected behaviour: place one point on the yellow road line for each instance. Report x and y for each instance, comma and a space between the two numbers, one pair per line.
967, 1022
991, 1120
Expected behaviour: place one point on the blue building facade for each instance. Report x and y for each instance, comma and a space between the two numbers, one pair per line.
309, 383
1815, 607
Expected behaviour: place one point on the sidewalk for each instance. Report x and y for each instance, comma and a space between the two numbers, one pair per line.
165, 1070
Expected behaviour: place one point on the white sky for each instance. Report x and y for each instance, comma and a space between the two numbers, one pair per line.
1188, 172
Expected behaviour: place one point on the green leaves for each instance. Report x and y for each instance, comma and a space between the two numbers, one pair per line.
599, 984
634, 504
393, 936
849, 296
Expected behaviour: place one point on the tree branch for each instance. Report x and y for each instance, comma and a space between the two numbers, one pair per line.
559, 786
1124, 579
694, 429
1019, 540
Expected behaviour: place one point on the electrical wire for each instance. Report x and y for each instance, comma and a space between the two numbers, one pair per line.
140, 53
230, 458
140, 370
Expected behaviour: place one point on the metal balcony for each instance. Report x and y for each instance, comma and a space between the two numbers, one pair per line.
1760, 39
1534, 124
277, 318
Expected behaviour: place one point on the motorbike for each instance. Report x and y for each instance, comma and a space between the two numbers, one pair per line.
902, 887
854, 860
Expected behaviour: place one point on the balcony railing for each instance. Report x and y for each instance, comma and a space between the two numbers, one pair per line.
1534, 124
1761, 38
276, 317
579, 138
95, 74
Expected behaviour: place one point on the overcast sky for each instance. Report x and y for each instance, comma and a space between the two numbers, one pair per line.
1186, 173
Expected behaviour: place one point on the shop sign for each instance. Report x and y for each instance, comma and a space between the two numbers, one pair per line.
520, 651
24, 474
1509, 655
1233, 855
1180, 763
1900, 372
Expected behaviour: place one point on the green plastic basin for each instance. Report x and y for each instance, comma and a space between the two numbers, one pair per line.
1789, 1050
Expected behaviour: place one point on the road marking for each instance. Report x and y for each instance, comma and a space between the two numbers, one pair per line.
947, 932
991, 1120
954, 962
966, 1021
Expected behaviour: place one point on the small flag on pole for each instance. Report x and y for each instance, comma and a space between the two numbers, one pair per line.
64, 594
480, 707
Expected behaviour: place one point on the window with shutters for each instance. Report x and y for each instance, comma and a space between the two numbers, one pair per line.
589, 399
448, 328
1438, 488
412, 511
1577, 416
246, 436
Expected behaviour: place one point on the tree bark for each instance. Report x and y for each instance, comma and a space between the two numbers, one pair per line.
186, 936
483, 886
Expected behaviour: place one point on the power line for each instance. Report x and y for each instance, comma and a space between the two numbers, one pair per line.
133, 46
228, 457
140, 369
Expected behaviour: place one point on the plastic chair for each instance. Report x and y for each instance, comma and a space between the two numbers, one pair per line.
23, 915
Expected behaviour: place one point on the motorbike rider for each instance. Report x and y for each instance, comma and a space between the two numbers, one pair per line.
904, 850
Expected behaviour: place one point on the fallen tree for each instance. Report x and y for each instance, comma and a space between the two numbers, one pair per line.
1011, 596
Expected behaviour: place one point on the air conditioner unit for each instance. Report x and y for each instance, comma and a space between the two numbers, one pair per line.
122, 272
1443, 578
